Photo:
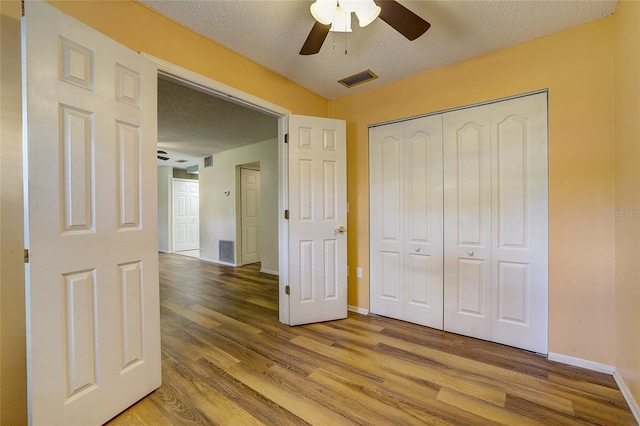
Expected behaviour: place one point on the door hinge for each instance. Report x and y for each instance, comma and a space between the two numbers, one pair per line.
287, 290
286, 214
286, 138
22, 12
26, 255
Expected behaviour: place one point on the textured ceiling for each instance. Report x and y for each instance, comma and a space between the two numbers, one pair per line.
192, 124
272, 32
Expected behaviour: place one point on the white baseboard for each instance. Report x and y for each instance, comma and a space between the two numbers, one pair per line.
163, 251
206, 259
631, 402
266, 271
357, 310
583, 363
602, 368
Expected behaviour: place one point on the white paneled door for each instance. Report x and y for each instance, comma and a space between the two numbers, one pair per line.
317, 219
93, 306
186, 215
250, 216
496, 222
467, 221
406, 228
520, 264
459, 221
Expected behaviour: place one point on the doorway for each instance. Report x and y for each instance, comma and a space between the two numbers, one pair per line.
223, 196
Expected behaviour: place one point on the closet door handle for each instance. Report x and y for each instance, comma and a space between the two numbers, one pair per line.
471, 252
341, 229
418, 249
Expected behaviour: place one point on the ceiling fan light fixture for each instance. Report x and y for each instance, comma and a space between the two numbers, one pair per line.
366, 10
341, 21
323, 10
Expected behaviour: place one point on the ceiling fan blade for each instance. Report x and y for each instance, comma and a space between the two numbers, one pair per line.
402, 19
314, 40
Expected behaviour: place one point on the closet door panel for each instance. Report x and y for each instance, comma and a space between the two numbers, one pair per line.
467, 222
387, 221
520, 222
423, 221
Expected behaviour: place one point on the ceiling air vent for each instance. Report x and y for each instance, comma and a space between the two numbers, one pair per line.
208, 161
361, 77
181, 161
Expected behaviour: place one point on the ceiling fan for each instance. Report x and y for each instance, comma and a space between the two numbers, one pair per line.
162, 155
335, 15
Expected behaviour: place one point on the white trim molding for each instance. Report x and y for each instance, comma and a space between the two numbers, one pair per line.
216, 88
217, 262
267, 271
602, 368
583, 363
357, 310
626, 393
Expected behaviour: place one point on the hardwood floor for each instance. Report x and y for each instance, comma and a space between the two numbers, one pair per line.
228, 361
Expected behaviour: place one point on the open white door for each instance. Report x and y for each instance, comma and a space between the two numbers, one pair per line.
317, 220
93, 306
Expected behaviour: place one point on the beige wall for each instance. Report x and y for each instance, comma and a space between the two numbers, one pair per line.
576, 66
627, 155
13, 373
219, 213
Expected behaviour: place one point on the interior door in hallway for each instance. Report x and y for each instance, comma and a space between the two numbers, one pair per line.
186, 215
92, 281
250, 190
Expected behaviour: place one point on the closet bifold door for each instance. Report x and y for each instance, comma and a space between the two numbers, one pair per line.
520, 222
386, 157
467, 222
423, 245
496, 222
406, 220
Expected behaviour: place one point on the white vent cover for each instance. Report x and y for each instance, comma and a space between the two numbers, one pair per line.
226, 251
208, 161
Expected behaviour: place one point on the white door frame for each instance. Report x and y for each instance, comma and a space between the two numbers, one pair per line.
221, 90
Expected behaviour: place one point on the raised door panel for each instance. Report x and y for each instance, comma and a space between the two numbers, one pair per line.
520, 222
128, 201
467, 222
423, 215
387, 220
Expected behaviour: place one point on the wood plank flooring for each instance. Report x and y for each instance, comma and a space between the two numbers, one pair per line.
228, 361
